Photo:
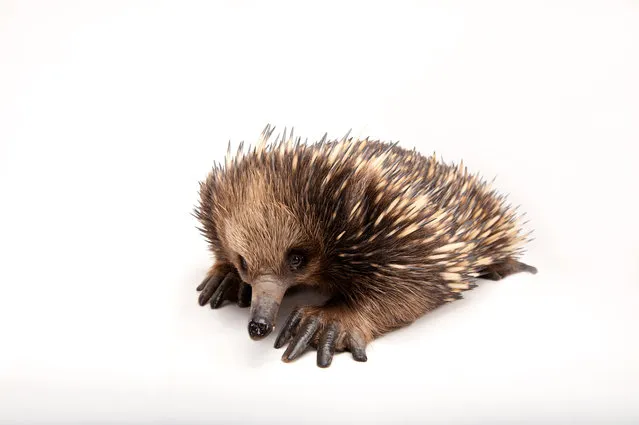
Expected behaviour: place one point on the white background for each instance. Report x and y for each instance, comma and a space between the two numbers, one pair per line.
110, 113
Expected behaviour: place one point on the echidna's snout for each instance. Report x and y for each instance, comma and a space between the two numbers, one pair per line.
267, 294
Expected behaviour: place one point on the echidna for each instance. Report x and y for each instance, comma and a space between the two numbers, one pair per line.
387, 233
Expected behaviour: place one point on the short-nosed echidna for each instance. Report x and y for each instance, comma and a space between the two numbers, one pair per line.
387, 233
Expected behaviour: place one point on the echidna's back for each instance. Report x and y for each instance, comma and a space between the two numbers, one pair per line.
475, 213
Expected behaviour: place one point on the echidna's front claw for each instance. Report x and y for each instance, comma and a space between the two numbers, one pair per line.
287, 331
326, 345
309, 326
301, 339
224, 284
208, 287
227, 283
244, 295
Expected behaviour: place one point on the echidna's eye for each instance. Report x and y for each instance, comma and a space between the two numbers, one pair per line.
296, 261
243, 265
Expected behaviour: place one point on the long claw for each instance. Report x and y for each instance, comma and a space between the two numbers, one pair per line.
203, 284
244, 295
218, 296
301, 339
326, 347
357, 347
287, 330
209, 288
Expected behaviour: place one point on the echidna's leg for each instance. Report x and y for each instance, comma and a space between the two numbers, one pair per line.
505, 268
223, 283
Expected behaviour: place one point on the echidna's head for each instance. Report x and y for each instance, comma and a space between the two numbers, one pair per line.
266, 236
272, 251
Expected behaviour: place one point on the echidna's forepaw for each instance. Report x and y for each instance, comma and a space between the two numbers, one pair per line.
223, 283
322, 329
244, 295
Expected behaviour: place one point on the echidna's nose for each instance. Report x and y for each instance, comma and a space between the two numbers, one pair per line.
266, 295
259, 328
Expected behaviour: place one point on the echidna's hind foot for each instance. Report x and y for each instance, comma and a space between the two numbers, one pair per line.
499, 271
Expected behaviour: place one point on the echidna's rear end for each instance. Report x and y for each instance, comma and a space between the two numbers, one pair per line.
481, 234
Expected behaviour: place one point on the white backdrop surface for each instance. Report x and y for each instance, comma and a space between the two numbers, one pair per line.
111, 111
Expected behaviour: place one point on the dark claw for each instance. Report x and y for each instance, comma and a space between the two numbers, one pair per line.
287, 329
209, 288
218, 296
326, 347
244, 295
357, 348
301, 339
203, 284
359, 355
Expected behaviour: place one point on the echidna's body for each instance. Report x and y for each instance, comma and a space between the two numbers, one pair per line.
389, 233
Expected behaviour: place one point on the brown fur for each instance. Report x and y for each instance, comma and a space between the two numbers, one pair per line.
389, 234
